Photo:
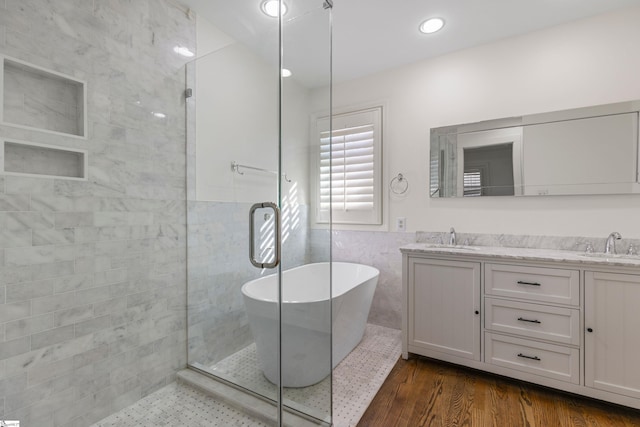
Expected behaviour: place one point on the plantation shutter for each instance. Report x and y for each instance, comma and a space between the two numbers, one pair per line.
434, 176
350, 169
472, 182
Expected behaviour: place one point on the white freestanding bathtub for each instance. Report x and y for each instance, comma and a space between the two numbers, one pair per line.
305, 318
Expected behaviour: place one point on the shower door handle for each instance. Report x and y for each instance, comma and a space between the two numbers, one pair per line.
252, 233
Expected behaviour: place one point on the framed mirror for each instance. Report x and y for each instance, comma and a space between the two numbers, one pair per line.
591, 150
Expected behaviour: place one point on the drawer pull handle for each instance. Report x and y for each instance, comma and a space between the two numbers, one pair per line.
521, 282
529, 357
522, 319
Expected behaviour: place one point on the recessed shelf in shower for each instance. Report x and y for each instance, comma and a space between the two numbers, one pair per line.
41, 99
31, 159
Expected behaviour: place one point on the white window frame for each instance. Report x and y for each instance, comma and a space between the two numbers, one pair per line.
374, 219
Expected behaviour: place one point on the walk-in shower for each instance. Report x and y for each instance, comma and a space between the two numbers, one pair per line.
251, 115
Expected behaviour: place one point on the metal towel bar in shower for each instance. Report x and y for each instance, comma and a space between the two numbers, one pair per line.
235, 167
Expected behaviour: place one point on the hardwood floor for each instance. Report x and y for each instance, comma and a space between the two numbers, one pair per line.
424, 392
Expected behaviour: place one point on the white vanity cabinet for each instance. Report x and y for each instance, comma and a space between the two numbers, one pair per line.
558, 319
612, 337
444, 308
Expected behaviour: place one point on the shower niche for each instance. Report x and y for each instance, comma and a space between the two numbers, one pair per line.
31, 159
40, 99
47, 102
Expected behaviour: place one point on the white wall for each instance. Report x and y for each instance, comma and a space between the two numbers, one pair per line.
237, 120
587, 62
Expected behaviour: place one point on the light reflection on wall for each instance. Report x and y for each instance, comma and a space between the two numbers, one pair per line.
290, 210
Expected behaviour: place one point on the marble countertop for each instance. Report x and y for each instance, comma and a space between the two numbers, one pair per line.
548, 255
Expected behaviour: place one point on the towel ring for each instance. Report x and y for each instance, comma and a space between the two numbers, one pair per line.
399, 184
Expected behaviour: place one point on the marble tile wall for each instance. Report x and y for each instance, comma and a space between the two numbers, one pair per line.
218, 249
93, 284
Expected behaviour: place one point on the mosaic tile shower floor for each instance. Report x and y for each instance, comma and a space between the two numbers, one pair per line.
356, 380
178, 405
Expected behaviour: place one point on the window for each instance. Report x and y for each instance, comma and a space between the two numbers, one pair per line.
349, 168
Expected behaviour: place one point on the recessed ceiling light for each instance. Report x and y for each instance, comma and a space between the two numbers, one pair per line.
271, 7
286, 72
184, 51
431, 25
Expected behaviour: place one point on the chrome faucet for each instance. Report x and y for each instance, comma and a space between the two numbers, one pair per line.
452, 237
610, 245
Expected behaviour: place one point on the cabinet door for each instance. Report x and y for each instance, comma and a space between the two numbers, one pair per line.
444, 304
612, 332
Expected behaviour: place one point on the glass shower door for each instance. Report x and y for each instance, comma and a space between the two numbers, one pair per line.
306, 281
248, 147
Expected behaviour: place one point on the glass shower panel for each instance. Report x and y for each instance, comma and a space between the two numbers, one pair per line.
233, 158
249, 145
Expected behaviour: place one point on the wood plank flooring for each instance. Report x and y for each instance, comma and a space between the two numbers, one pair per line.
424, 392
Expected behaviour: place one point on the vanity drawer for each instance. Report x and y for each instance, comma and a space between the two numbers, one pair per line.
547, 360
533, 283
545, 322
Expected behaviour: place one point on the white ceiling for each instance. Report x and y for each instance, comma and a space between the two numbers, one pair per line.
373, 35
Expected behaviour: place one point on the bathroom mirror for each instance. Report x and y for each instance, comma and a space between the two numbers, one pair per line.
591, 150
